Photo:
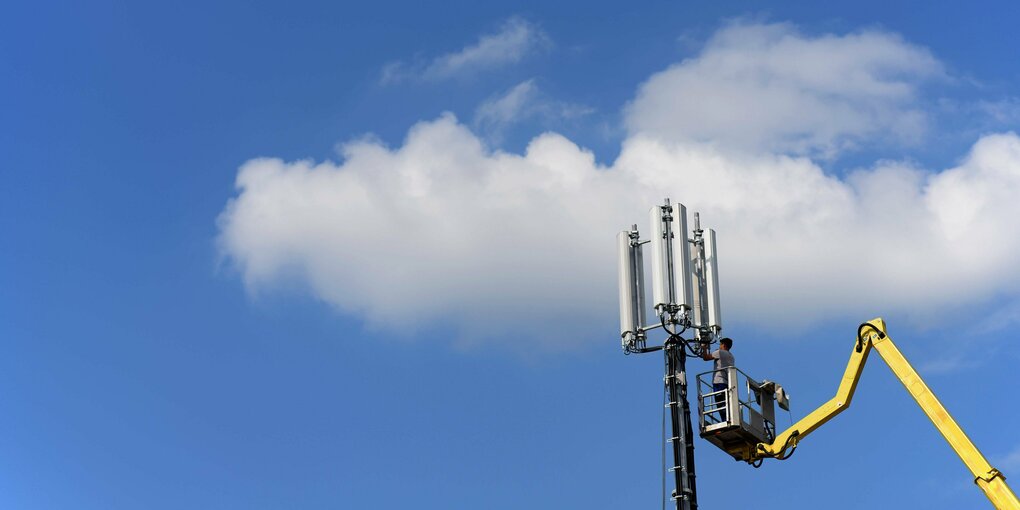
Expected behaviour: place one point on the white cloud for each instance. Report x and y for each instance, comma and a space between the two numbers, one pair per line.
516, 39
771, 88
1010, 462
949, 364
523, 101
1005, 316
1003, 111
441, 231
508, 107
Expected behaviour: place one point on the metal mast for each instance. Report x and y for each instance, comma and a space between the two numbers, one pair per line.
684, 297
686, 494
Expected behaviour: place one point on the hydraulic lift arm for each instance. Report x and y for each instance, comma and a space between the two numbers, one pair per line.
872, 334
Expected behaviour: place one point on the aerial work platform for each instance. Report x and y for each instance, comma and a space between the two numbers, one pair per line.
736, 419
740, 419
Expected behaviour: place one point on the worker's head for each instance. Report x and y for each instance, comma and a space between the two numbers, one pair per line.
726, 343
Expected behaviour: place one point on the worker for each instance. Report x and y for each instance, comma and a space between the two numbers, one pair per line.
723, 359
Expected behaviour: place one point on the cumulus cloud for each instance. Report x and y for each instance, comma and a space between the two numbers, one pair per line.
516, 39
441, 231
771, 88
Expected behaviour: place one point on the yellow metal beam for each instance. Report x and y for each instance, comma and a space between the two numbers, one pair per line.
824, 413
989, 479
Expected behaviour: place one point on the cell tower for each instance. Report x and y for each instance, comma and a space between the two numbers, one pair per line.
735, 412
685, 299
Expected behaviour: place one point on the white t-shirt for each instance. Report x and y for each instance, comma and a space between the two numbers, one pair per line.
722, 359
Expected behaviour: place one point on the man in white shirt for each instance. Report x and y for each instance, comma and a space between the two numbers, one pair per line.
723, 359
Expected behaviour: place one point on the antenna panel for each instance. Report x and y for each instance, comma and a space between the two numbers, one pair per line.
712, 281
682, 257
639, 283
660, 271
695, 278
628, 300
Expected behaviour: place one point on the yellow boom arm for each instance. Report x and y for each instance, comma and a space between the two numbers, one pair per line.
872, 334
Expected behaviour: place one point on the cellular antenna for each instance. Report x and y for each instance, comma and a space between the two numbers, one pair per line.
685, 297
631, 280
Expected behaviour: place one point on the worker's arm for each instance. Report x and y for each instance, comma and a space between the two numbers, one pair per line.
708, 355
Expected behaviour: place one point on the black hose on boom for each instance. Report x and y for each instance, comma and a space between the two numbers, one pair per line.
860, 334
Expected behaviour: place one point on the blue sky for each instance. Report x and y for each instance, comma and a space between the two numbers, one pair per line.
361, 256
